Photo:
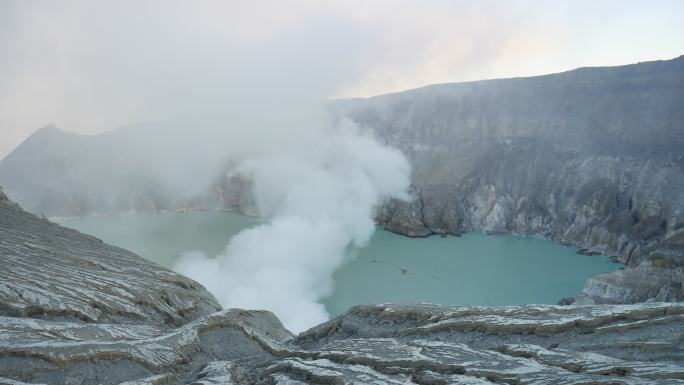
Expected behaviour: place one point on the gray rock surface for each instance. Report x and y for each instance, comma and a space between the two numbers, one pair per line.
77, 311
381, 344
52, 272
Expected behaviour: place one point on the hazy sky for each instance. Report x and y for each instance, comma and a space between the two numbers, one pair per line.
90, 66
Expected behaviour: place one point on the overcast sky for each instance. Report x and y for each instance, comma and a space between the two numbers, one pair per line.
90, 66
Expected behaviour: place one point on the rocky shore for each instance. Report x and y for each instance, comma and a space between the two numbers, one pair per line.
74, 310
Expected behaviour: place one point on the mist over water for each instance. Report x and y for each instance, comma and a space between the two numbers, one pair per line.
319, 201
243, 86
472, 269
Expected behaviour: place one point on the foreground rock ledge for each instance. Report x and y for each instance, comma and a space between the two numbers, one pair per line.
422, 344
74, 310
52, 272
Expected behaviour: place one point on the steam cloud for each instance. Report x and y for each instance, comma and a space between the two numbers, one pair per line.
319, 200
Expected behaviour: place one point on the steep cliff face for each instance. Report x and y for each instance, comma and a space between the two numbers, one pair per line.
592, 157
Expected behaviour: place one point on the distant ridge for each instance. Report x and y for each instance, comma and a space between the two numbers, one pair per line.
649, 66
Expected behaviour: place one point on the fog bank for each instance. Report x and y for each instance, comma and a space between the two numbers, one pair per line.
91, 66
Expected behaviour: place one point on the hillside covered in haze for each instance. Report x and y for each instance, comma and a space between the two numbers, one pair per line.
141, 168
591, 156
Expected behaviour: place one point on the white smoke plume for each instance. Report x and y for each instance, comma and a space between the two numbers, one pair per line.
319, 198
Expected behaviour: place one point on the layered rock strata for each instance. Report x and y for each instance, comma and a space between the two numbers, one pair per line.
74, 310
382, 344
51, 272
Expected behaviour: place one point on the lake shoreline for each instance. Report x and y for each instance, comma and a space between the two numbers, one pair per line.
424, 269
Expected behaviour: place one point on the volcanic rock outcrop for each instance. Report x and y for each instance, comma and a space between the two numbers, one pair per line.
51, 272
74, 310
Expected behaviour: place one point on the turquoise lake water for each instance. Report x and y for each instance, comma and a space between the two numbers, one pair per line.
474, 269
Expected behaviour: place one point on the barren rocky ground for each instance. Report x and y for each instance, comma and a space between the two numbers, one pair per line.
74, 310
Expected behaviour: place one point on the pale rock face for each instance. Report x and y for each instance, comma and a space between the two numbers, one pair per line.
383, 344
632, 285
51, 272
